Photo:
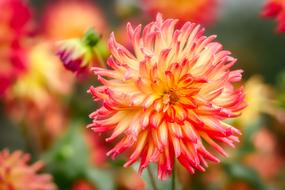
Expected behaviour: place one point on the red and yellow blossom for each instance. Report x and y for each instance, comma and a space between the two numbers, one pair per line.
202, 11
275, 9
168, 96
15, 173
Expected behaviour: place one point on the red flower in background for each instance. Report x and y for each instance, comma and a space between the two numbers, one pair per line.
199, 11
83, 185
168, 96
15, 26
275, 9
15, 173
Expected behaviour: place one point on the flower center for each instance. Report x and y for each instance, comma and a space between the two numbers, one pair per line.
170, 97
173, 97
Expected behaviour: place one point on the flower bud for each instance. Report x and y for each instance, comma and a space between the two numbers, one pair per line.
78, 54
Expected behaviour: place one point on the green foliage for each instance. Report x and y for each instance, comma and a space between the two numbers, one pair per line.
68, 161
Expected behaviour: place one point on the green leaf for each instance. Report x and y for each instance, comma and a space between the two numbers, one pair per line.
68, 158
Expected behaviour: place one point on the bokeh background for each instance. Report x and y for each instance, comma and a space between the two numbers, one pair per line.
45, 109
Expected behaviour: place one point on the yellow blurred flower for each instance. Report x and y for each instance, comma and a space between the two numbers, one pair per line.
35, 98
258, 100
44, 76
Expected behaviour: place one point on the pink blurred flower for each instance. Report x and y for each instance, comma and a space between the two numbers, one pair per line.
268, 153
15, 173
202, 11
97, 149
275, 9
58, 24
168, 96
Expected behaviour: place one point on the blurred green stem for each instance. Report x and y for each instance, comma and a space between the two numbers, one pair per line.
152, 180
173, 177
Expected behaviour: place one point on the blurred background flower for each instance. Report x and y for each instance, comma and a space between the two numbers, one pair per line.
15, 173
275, 9
40, 88
259, 99
15, 25
80, 54
202, 11
71, 19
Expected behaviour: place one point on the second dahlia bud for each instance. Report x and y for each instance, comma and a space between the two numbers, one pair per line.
78, 54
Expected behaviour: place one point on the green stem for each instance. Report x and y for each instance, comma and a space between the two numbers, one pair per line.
173, 180
152, 180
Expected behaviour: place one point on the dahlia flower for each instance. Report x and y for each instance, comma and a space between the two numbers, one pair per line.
275, 9
58, 25
168, 96
202, 11
78, 54
15, 173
